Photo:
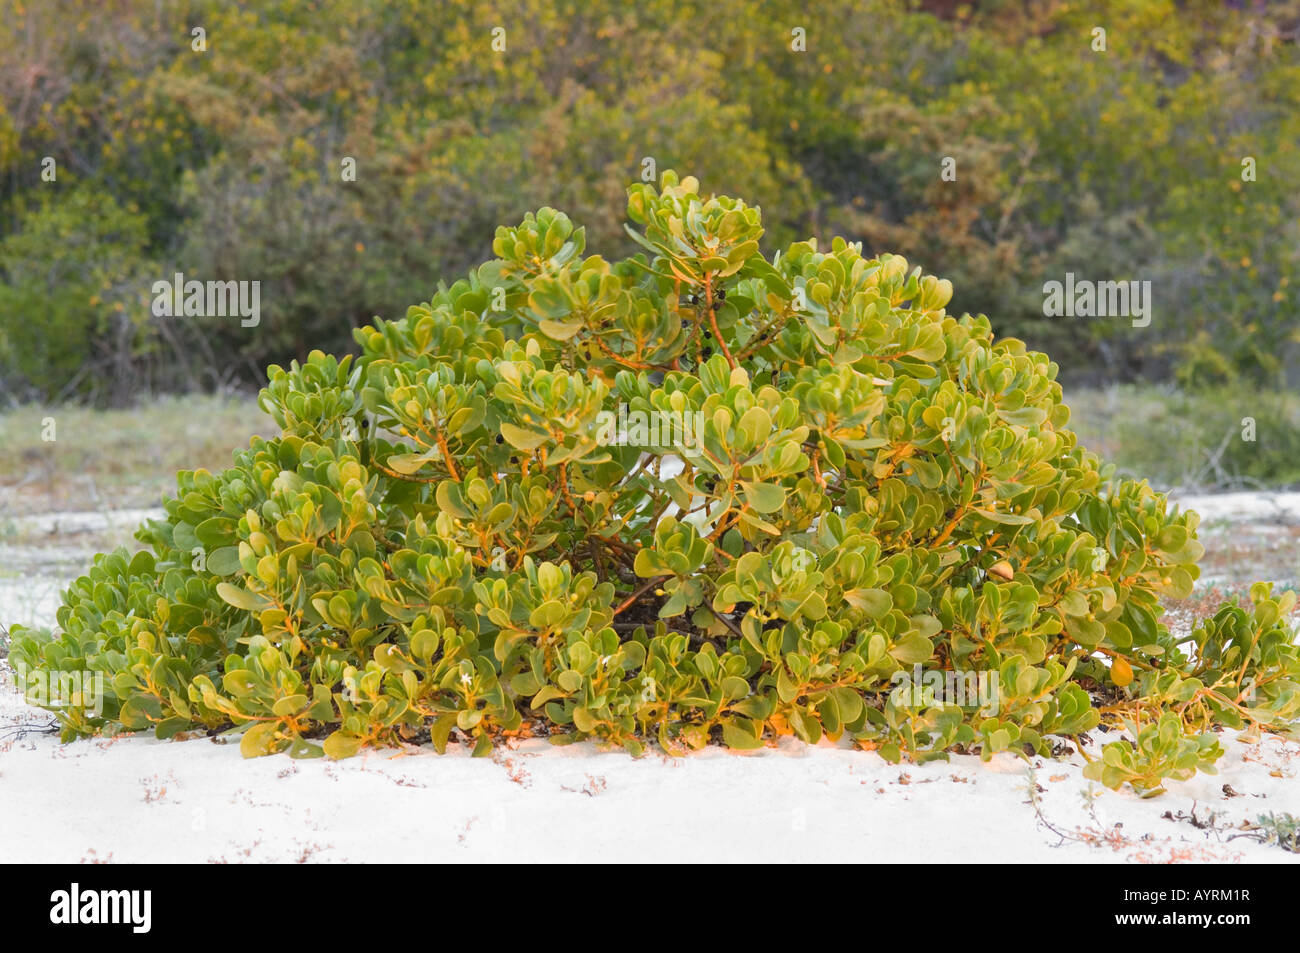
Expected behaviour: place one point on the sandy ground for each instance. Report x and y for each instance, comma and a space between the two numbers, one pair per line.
137, 799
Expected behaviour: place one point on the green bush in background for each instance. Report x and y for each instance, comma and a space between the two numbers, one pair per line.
74, 302
1122, 163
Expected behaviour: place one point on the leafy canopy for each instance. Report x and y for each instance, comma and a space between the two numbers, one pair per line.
450, 535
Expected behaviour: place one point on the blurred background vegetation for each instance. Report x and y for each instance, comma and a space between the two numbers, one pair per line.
226, 165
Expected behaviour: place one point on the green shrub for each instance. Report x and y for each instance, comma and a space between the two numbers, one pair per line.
462, 531
74, 309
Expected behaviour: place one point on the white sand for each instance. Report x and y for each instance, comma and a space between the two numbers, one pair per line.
138, 799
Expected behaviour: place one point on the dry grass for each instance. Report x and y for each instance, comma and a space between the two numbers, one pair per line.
1193, 441
117, 458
